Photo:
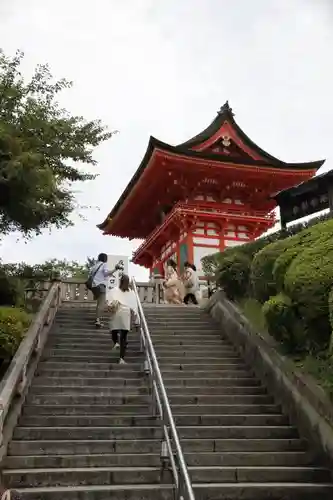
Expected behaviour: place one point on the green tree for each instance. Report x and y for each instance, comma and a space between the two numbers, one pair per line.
41, 145
48, 270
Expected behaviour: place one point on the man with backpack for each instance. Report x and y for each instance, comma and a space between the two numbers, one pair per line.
97, 283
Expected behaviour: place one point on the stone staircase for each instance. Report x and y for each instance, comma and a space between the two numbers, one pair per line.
86, 432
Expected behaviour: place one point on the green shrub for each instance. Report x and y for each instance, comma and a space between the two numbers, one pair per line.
11, 287
281, 320
330, 309
297, 244
267, 276
281, 265
308, 282
233, 275
262, 280
13, 325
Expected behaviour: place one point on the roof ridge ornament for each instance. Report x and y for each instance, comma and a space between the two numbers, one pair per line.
225, 108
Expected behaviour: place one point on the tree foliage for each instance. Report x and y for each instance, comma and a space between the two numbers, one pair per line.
41, 145
48, 270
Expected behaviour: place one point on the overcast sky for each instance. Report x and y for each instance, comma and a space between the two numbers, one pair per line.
164, 68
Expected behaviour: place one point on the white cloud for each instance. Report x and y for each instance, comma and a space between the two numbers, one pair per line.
160, 68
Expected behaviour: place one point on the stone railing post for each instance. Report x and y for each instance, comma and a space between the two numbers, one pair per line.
158, 281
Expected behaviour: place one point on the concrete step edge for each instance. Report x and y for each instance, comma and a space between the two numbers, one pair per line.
152, 468
146, 427
158, 487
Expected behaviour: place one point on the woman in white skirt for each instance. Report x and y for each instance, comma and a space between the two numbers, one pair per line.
122, 306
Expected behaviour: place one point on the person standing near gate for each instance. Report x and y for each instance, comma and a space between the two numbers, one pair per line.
191, 283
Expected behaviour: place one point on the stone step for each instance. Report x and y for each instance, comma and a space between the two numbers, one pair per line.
128, 399
169, 383
227, 458
98, 492
87, 446
153, 432
91, 370
179, 372
62, 388
57, 409
161, 349
104, 334
86, 399
107, 356
179, 352
195, 324
147, 420
178, 357
160, 332
92, 382
117, 392
180, 324
172, 341
164, 355
112, 364
216, 491
130, 409
148, 312
185, 314
154, 475
110, 361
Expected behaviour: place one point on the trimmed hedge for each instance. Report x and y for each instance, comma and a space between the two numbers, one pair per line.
13, 324
308, 282
330, 308
262, 280
269, 266
281, 320
233, 275
293, 278
281, 265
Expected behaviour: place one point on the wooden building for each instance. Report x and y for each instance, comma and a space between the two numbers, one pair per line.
211, 192
308, 198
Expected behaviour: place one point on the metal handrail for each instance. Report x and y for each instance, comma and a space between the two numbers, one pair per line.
160, 402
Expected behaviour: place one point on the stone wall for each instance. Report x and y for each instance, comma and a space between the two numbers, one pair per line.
307, 405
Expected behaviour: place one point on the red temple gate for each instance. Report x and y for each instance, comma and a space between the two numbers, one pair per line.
209, 193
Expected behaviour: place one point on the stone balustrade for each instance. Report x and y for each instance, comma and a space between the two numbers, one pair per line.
74, 289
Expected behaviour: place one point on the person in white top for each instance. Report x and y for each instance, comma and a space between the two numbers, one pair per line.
191, 283
123, 307
99, 275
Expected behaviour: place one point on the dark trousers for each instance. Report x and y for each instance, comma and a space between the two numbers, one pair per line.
190, 297
120, 337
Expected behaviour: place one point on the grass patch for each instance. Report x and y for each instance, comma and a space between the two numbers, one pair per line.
319, 366
252, 309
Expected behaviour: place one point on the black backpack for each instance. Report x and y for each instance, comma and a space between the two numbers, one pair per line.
90, 280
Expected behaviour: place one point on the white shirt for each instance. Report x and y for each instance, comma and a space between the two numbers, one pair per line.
101, 276
121, 320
